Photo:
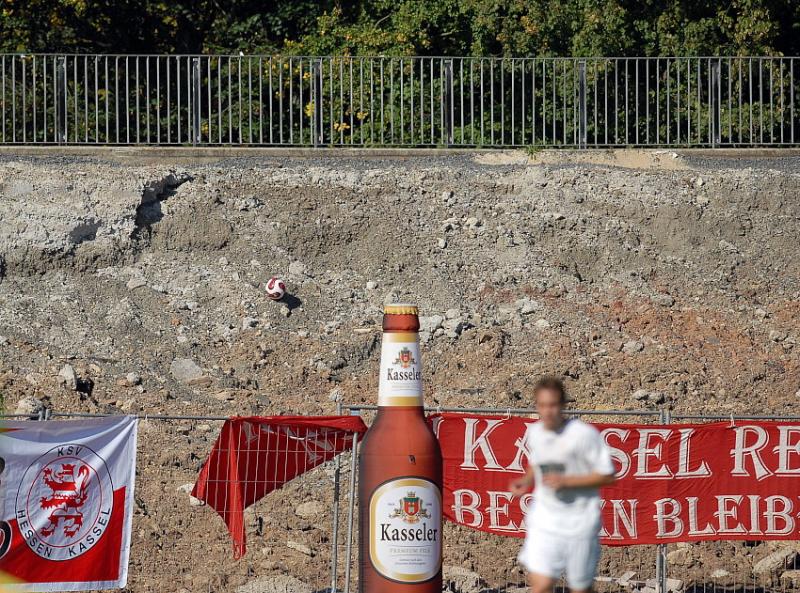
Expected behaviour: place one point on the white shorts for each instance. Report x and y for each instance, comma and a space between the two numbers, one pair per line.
550, 555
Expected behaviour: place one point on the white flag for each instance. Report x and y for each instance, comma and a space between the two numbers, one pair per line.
66, 501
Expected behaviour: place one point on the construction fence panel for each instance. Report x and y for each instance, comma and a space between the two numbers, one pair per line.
180, 544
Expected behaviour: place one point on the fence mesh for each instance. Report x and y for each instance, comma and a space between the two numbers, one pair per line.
309, 528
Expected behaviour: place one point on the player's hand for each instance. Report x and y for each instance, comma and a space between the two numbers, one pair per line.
519, 486
554, 481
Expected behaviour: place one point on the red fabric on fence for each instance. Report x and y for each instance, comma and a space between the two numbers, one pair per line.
254, 456
677, 482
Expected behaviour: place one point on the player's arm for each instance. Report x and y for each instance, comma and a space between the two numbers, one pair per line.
524, 484
593, 480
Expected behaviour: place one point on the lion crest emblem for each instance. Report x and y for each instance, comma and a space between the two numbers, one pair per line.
66, 497
69, 490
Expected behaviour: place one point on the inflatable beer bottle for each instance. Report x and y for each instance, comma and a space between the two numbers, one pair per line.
400, 473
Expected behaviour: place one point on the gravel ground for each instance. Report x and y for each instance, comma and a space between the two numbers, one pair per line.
647, 279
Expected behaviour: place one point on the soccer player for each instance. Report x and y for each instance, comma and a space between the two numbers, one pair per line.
569, 462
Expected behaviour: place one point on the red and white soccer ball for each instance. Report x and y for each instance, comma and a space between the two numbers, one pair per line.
275, 288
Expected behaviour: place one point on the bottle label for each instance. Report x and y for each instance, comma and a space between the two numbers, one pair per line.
405, 523
401, 370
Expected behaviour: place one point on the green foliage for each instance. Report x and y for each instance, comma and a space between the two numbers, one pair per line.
404, 27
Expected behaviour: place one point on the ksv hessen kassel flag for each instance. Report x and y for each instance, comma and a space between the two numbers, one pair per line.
66, 500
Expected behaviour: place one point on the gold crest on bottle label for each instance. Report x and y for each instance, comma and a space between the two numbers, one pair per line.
401, 370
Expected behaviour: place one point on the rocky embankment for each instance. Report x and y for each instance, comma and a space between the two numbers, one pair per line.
139, 289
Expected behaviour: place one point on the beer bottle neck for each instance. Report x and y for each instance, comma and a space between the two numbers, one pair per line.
401, 370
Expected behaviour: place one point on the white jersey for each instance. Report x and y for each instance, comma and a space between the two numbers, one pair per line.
576, 449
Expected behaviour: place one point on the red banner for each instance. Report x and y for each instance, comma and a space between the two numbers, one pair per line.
254, 456
676, 482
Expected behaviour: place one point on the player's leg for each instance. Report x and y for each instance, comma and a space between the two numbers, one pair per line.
582, 563
543, 556
540, 583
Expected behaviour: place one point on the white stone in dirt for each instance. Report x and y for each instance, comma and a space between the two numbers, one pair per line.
185, 370
281, 583
133, 378
441, 242
30, 406
632, 347
542, 324
310, 509
249, 322
3, 341
300, 547
641, 394
777, 335
719, 573
372, 285
775, 561
187, 489
460, 580
675, 585
651, 586
430, 323
655, 397
526, 306
135, 283
682, 557
297, 268
665, 300
67, 377
452, 314
453, 327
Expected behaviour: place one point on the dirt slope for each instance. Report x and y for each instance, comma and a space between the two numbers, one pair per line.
671, 283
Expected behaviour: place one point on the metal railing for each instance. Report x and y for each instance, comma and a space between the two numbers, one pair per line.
227, 100
177, 540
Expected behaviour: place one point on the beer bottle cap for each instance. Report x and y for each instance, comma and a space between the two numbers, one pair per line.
400, 309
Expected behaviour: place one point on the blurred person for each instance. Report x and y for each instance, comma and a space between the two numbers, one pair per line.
568, 463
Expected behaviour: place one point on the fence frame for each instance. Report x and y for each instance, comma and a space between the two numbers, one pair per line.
663, 416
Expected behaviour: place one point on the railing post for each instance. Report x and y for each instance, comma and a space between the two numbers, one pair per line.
661, 551
712, 102
195, 102
351, 513
447, 101
336, 477
582, 103
61, 100
316, 102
